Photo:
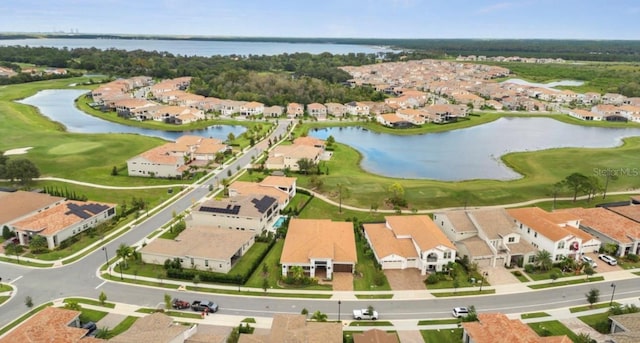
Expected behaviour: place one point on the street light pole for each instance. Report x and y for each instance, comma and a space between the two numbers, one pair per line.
484, 274
339, 302
612, 294
106, 257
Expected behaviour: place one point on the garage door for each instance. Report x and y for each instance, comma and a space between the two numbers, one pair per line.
483, 262
347, 268
392, 265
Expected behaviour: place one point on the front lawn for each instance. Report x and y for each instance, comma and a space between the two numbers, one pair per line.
552, 328
442, 336
368, 277
88, 315
567, 282
598, 321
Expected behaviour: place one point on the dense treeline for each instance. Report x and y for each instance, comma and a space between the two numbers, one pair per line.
587, 50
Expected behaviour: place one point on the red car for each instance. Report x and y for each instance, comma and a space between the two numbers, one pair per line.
180, 304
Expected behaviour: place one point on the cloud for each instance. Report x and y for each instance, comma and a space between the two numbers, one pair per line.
496, 7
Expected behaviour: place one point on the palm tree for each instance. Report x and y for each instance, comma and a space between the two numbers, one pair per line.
123, 252
543, 260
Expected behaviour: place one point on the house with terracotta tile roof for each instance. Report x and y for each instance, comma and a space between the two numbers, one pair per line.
210, 248
584, 114
273, 111
253, 213
295, 109
252, 108
158, 328
52, 324
157, 162
310, 141
375, 336
63, 221
317, 110
336, 109
280, 187
18, 205
410, 242
294, 328
498, 328
288, 156
625, 328
413, 116
319, 246
616, 225
357, 108
556, 232
392, 120
445, 113
488, 237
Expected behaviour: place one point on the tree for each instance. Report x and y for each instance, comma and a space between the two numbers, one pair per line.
304, 311
543, 260
588, 269
330, 141
472, 316
231, 137
114, 171
306, 165
72, 305
343, 192
38, 244
123, 252
575, 182
102, 297
21, 169
592, 296
265, 284
592, 187
609, 175
28, 301
167, 301
456, 284
397, 194
6, 232
319, 316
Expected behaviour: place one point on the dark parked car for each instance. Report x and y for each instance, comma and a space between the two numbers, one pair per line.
204, 305
91, 327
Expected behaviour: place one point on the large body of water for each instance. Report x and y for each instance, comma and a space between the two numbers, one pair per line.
58, 105
197, 48
470, 153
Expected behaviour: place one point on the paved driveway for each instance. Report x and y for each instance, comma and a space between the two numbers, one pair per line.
405, 279
499, 275
342, 282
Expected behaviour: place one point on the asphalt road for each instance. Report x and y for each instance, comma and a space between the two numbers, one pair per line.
80, 279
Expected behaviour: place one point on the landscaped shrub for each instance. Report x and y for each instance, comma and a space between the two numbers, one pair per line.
633, 258
529, 268
517, 273
432, 279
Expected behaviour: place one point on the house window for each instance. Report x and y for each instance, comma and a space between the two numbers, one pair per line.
561, 245
520, 225
535, 234
512, 239
532, 258
528, 230
206, 263
447, 254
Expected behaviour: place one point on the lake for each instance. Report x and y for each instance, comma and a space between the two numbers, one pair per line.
470, 153
198, 48
58, 105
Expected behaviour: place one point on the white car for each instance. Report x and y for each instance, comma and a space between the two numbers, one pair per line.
460, 312
608, 259
364, 314
590, 261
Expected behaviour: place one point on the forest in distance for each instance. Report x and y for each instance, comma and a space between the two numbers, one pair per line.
585, 50
298, 77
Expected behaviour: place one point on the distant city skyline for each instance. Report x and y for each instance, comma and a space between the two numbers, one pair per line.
482, 19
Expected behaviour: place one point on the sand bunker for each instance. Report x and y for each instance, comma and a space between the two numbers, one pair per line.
19, 151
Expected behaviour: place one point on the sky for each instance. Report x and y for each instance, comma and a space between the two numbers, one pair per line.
482, 19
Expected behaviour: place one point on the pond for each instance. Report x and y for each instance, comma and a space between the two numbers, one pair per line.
470, 153
58, 105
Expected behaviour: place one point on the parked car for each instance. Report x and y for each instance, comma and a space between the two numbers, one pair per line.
204, 305
588, 260
91, 328
365, 314
608, 259
460, 312
180, 304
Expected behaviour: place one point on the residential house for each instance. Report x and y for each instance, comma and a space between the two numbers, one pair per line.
288, 156
230, 107
625, 328
488, 237
252, 108
609, 112
157, 162
410, 242
613, 225
294, 328
320, 247
317, 110
469, 98
310, 141
393, 120
445, 113
413, 116
613, 99
273, 111
63, 221
160, 328
295, 110
52, 324
556, 232
7, 72
254, 213
18, 205
335, 109
127, 107
356, 108
280, 187
375, 336
205, 248
402, 102
498, 328
584, 114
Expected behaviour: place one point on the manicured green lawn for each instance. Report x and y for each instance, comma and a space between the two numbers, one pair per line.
552, 328
521, 277
90, 302
598, 321
374, 296
89, 315
462, 293
439, 321
442, 336
588, 307
4, 298
123, 326
539, 275
5, 287
371, 323
249, 258
272, 260
534, 315
366, 270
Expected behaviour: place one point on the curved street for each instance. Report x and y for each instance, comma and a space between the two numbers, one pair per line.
81, 278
